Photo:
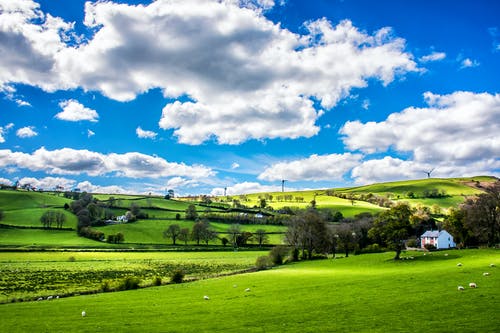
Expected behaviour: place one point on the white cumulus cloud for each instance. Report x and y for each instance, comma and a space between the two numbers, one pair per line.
26, 132
75, 111
457, 133
69, 161
246, 77
246, 188
145, 134
4, 130
316, 167
434, 56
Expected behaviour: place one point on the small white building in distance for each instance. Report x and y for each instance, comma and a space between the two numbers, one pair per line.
441, 239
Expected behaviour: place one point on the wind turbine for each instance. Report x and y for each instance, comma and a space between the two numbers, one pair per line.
283, 185
429, 172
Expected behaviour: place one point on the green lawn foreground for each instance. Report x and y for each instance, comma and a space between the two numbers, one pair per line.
366, 293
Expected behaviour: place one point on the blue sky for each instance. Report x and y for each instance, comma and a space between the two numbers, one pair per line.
198, 96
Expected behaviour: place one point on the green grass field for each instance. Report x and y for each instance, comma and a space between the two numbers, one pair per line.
366, 293
29, 275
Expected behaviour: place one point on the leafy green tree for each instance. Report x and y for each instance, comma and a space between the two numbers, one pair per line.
233, 231
184, 235
393, 227
483, 215
199, 231
191, 213
455, 224
307, 231
346, 236
261, 236
173, 231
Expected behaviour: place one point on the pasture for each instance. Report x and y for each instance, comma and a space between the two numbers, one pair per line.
366, 293
29, 275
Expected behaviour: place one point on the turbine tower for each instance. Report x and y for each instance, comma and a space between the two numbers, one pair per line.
283, 185
429, 172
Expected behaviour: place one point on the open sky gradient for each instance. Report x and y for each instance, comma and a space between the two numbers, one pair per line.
198, 95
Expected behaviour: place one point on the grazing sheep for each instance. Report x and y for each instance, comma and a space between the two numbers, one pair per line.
446, 254
486, 274
247, 290
49, 298
459, 264
206, 298
40, 299
57, 297
472, 285
461, 288
492, 265
84, 313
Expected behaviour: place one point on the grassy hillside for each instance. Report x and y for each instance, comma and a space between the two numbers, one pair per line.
368, 293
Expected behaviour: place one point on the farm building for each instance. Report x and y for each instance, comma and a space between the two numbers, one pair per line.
441, 239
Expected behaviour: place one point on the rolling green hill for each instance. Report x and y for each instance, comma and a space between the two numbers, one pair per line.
22, 209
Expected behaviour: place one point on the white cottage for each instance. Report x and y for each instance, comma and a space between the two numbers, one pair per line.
441, 239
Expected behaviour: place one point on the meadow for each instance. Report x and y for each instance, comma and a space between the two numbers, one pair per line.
366, 293
27, 276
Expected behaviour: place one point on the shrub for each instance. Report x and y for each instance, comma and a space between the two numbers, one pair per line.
373, 248
263, 262
412, 242
72, 259
157, 281
278, 254
106, 286
129, 283
177, 276
430, 247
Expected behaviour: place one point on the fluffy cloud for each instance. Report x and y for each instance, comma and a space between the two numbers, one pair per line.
75, 162
26, 132
461, 126
434, 56
246, 77
145, 134
88, 187
5, 181
246, 188
467, 63
390, 169
74, 111
453, 133
48, 183
4, 130
315, 167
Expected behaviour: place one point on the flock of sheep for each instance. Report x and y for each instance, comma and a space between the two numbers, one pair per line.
472, 284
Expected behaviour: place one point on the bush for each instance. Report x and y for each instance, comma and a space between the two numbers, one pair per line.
430, 247
373, 248
278, 254
177, 276
263, 262
157, 281
129, 283
412, 242
72, 259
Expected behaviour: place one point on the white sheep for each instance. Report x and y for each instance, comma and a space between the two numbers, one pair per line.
486, 274
472, 285
446, 254
247, 290
459, 264
49, 298
84, 313
461, 288
492, 265
57, 297
40, 299
206, 298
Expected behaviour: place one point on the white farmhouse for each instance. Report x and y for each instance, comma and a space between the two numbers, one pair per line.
441, 239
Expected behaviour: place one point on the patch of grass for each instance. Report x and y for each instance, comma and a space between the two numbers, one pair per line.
367, 293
